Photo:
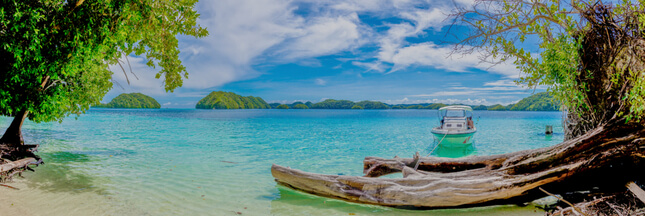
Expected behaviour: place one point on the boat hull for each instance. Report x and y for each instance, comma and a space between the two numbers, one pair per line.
455, 139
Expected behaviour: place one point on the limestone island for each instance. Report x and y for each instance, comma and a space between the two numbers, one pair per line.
230, 100
131, 101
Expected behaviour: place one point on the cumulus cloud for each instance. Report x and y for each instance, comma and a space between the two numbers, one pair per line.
325, 36
430, 54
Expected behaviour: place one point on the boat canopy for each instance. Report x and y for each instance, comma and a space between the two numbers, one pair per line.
457, 107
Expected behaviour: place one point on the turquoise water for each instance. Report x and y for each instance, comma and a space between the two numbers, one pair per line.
217, 162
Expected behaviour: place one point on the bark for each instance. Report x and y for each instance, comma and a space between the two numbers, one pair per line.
17, 164
606, 155
13, 134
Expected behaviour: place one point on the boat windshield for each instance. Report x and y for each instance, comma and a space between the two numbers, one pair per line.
455, 113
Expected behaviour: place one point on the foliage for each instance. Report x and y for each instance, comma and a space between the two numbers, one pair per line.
300, 106
282, 106
294, 104
372, 105
230, 100
590, 56
333, 104
435, 106
497, 107
54, 55
132, 100
480, 107
416, 106
357, 107
542, 101
274, 105
397, 107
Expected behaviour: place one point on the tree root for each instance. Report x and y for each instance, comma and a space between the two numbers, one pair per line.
16, 159
618, 204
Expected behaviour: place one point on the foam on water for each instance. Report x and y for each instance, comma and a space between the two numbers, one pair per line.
217, 162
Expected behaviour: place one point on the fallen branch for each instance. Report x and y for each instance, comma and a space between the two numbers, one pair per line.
638, 191
18, 164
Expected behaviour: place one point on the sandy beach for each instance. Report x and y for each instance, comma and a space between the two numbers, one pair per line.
32, 198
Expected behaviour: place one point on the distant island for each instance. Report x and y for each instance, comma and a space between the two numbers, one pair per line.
230, 100
132, 101
537, 102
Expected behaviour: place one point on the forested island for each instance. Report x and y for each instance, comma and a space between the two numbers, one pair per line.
537, 102
132, 101
230, 100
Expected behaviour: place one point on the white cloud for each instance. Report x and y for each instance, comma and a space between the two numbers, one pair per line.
445, 93
430, 54
320, 82
468, 101
324, 36
371, 66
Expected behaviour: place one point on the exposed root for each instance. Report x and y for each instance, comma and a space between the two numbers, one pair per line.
619, 204
15, 160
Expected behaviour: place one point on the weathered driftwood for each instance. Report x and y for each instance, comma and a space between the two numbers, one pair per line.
596, 158
637, 191
17, 164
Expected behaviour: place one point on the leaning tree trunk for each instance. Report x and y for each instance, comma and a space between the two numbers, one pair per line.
13, 135
15, 156
607, 155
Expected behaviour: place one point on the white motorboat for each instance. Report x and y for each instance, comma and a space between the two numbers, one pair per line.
457, 127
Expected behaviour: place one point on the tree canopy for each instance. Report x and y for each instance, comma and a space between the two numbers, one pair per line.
497, 107
132, 100
54, 55
589, 57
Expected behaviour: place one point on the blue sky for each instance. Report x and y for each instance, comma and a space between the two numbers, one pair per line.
395, 51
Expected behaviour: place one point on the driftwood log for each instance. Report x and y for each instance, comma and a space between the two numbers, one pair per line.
611, 154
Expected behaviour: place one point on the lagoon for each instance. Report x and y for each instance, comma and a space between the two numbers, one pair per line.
217, 162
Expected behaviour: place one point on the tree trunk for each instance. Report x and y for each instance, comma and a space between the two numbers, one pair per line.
13, 135
610, 155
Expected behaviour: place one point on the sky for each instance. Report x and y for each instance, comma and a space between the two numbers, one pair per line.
394, 51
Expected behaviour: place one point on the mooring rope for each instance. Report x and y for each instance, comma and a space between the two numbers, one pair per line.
435, 147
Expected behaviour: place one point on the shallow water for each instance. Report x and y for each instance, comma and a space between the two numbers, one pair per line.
217, 162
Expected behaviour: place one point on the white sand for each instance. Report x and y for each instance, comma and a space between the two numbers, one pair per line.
35, 200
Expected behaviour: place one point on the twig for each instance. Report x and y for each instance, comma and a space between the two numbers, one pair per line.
567, 202
4, 185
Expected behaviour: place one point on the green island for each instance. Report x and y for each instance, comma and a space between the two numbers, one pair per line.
542, 101
230, 100
131, 101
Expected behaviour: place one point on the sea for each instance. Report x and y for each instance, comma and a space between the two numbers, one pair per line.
217, 162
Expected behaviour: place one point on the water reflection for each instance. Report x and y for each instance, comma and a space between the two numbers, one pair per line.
292, 202
454, 152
